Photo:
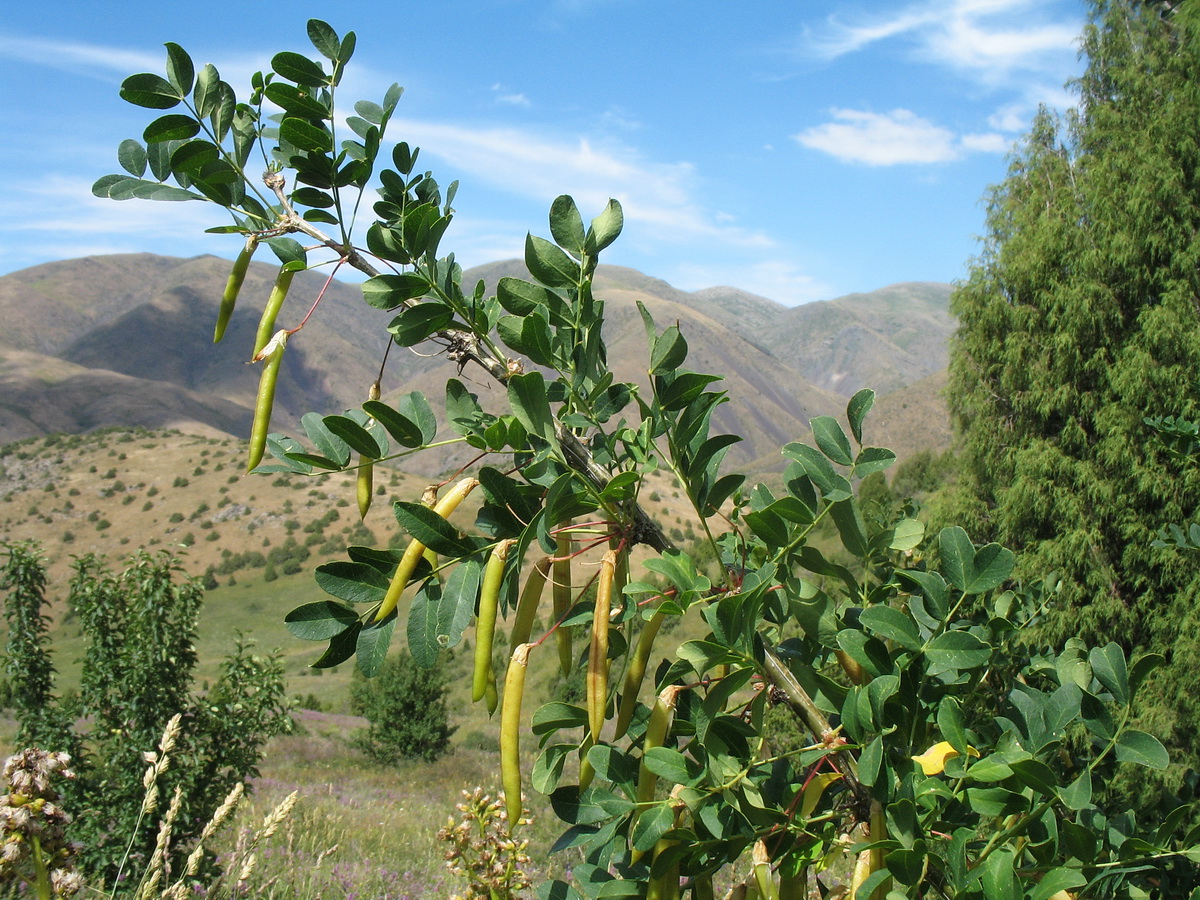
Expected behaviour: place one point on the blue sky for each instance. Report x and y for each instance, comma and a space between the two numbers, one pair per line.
799, 150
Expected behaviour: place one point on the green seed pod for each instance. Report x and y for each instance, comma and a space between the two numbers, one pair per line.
485, 622
272, 359
762, 872
636, 672
510, 733
364, 485
657, 730
233, 286
266, 324
562, 602
527, 606
415, 549
597, 673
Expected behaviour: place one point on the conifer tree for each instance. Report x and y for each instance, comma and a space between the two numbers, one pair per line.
1080, 318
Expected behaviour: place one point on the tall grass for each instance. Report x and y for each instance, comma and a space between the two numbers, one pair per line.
362, 831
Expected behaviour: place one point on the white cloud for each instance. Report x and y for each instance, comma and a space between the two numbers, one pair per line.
894, 138
91, 59
986, 143
57, 217
881, 139
660, 196
781, 281
1022, 47
510, 98
988, 39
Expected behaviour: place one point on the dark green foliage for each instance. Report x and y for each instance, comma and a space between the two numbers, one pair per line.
30, 671
406, 706
922, 474
140, 627
1078, 320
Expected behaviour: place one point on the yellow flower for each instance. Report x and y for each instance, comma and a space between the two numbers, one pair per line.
933, 760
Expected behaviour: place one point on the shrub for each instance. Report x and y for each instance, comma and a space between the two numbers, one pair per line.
131, 622
406, 706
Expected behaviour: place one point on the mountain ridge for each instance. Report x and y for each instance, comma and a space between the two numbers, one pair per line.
137, 327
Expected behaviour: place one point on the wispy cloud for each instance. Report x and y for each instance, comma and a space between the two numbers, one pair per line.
987, 38
778, 280
509, 98
57, 217
893, 138
97, 60
1014, 46
539, 166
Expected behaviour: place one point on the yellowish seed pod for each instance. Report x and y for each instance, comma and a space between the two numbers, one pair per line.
586, 772
850, 666
491, 699
878, 855
429, 499
795, 886
408, 562
562, 602
233, 286
597, 673
266, 323
364, 485
666, 885
485, 622
365, 481
657, 730
636, 672
702, 887
527, 605
272, 359
762, 872
510, 733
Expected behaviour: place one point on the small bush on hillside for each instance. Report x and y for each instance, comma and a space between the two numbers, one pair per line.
406, 706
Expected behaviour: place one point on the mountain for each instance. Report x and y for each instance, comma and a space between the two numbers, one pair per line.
126, 340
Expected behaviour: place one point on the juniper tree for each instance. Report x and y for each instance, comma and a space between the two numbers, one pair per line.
1080, 318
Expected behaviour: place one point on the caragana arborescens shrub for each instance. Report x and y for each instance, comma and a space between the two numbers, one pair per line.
937, 753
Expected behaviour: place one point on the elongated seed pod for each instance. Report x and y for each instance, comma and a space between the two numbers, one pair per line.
408, 562
665, 886
850, 666
877, 857
485, 622
862, 870
491, 698
702, 887
510, 733
657, 730
795, 886
636, 672
266, 324
364, 483
762, 872
233, 286
597, 673
586, 770
562, 602
429, 498
527, 606
272, 359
